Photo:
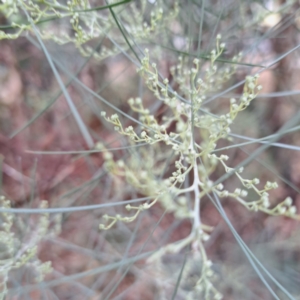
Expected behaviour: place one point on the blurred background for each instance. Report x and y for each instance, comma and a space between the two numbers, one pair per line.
45, 145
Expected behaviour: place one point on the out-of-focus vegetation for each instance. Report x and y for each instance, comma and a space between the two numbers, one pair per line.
111, 110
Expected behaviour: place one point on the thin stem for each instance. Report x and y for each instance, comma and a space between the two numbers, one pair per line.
197, 220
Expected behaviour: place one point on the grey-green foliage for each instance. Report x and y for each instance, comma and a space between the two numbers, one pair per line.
19, 242
186, 136
191, 147
79, 23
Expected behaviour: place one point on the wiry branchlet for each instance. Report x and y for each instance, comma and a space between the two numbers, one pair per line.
190, 153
